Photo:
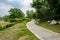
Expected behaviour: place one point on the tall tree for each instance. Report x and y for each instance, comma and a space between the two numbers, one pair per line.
16, 13
54, 8
31, 14
37, 5
47, 9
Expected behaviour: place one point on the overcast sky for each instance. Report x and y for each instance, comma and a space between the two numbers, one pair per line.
6, 5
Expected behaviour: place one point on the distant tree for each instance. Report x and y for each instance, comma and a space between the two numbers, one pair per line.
34, 15
16, 13
31, 14
0, 18
6, 18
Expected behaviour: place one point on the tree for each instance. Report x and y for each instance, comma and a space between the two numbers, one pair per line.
46, 9
54, 9
39, 5
16, 13
30, 14
6, 18
0, 18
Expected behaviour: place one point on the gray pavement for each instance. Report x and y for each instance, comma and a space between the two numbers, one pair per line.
42, 33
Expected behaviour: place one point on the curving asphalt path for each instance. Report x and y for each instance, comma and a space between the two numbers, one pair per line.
42, 33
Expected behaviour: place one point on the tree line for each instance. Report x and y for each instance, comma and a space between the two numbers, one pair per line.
45, 9
15, 14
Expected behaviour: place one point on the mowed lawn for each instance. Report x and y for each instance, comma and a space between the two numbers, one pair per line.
55, 28
17, 32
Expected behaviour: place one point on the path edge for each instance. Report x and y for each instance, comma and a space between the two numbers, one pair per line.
33, 32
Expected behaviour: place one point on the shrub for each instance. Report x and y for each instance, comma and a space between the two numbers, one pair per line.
10, 24
16, 20
26, 19
2, 26
12, 20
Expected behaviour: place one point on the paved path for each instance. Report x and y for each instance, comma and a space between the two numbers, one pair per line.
42, 33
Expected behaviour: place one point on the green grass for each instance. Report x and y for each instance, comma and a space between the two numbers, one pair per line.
55, 28
18, 31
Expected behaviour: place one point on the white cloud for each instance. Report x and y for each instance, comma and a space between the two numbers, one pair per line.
9, 0
27, 2
25, 9
4, 9
27, 5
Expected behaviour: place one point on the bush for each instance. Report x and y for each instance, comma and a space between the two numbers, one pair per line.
26, 19
12, 20
10, 24
2, 26
16, 20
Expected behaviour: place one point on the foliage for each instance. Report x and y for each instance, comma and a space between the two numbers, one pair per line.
37, 5
2, 26
16, 13
6, 18
10, 24
0, 18
26, 19
16, 20
6, 25
31, 14
54, 8
46, 9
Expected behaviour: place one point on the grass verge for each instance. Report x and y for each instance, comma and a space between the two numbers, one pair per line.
55, 28
17, 32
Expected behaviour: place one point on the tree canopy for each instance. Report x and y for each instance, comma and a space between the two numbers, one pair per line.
16, 13
31, 14
47, 9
